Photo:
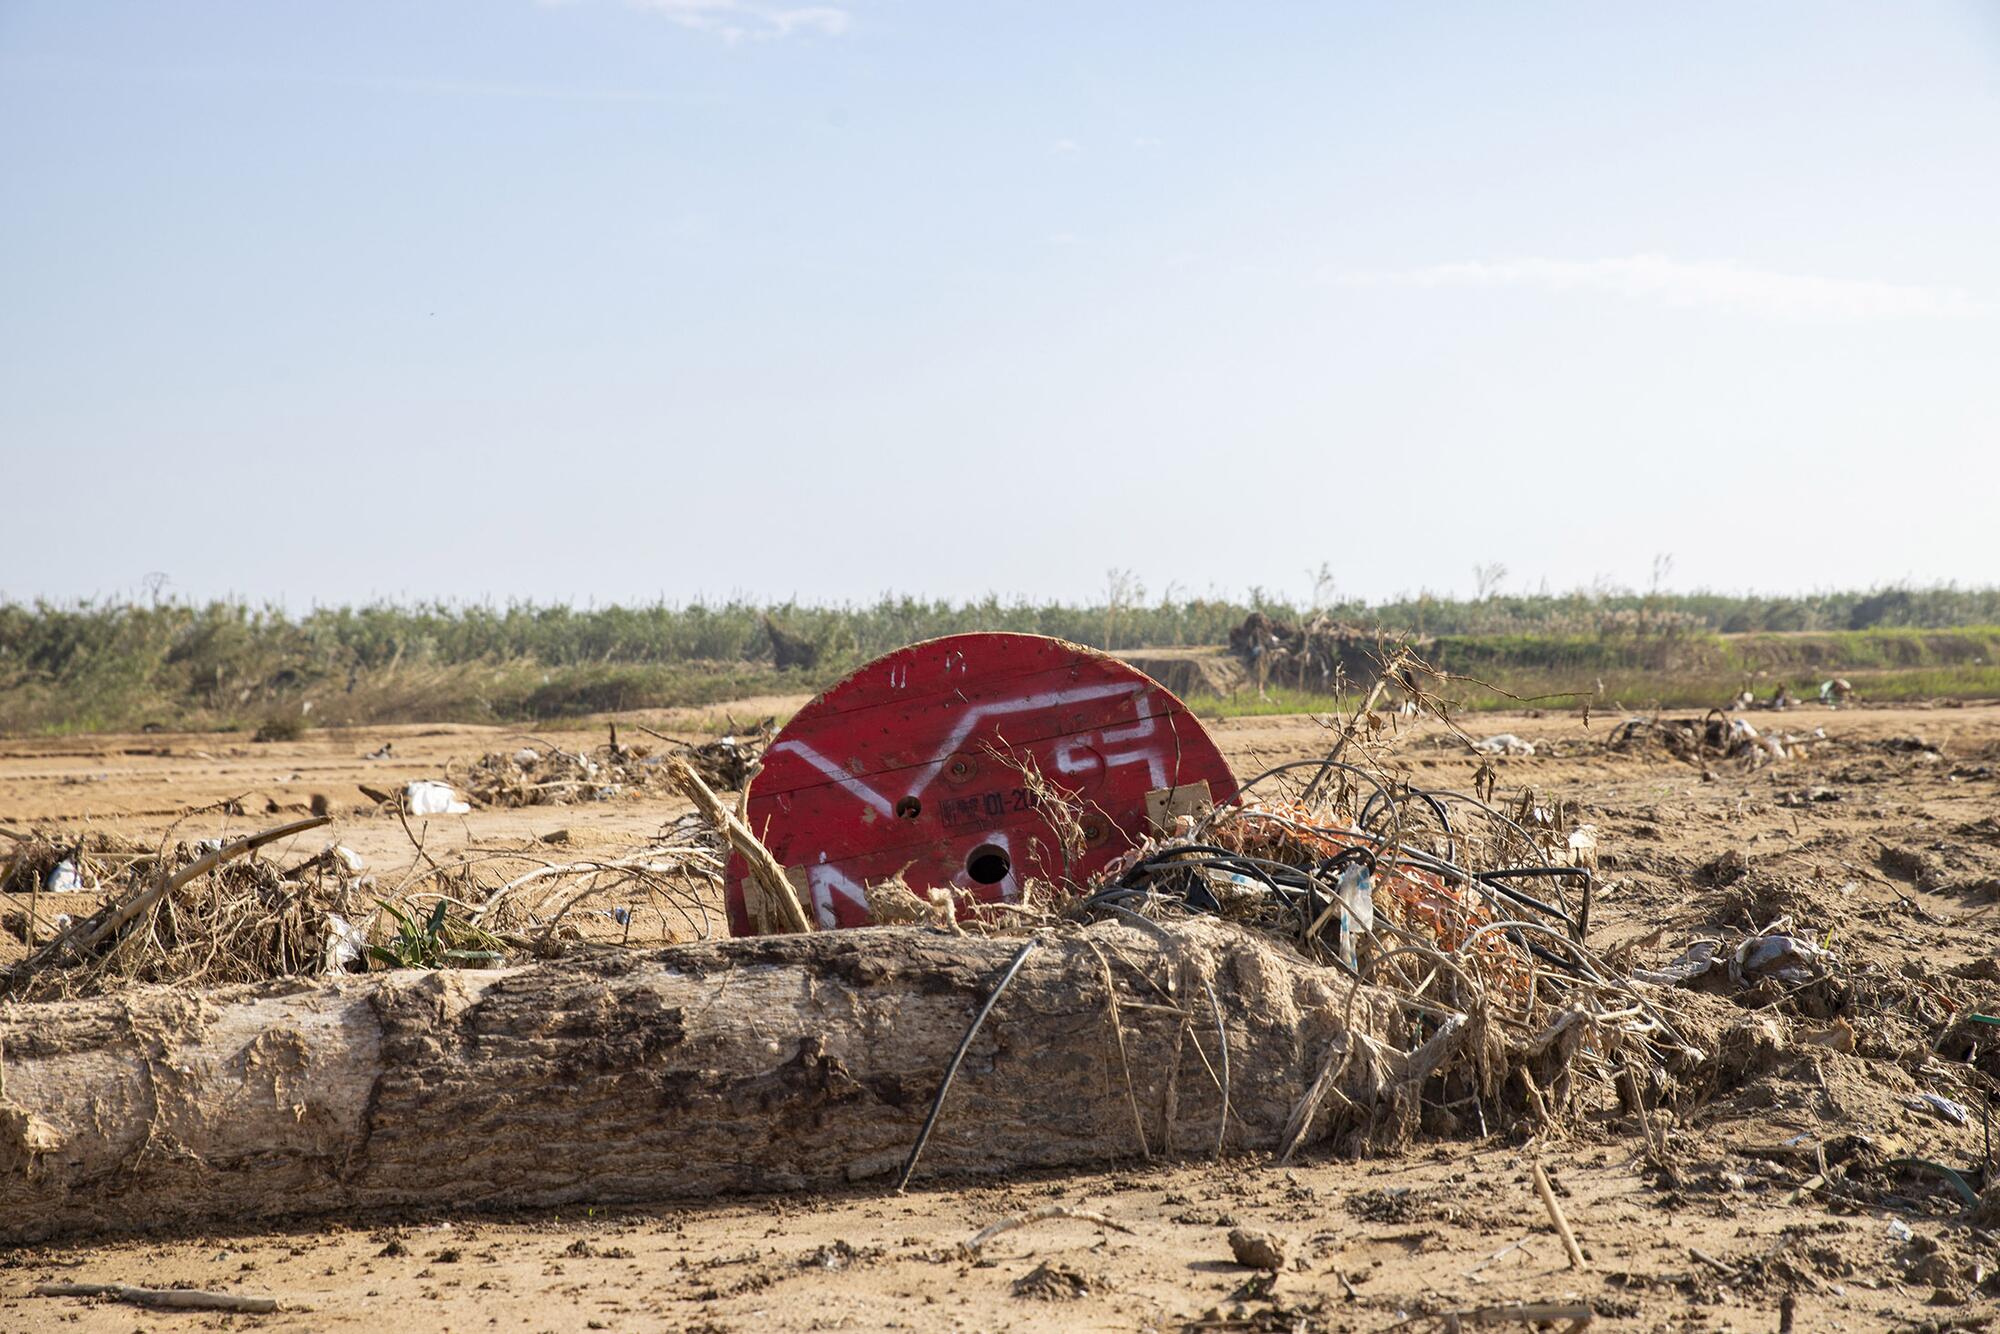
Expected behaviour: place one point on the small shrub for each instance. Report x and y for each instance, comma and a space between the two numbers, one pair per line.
280, 727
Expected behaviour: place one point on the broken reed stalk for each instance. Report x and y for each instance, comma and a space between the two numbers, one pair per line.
91, 930
1556, 1217
1579, 1315
1222, 1041
1124, 1061
773, 890
1656, 1144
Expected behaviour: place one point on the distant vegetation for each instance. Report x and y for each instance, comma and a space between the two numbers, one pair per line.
117, 665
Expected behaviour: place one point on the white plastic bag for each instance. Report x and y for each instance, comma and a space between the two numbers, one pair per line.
345, 944
425, 797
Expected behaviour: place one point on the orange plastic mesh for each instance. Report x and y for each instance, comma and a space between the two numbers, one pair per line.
1416, 900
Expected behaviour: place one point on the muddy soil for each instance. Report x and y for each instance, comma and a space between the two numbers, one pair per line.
1881, 839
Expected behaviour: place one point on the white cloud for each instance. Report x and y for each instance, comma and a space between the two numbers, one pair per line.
1066, 148
751, 20
1681, 283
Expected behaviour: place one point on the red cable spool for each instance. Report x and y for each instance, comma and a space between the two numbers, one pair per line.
915, 766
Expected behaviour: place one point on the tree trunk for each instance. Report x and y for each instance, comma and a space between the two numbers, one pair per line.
774, 1063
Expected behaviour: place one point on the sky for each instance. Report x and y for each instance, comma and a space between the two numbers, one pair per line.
624, 300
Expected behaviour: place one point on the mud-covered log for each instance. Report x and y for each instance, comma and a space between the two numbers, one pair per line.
774, 1063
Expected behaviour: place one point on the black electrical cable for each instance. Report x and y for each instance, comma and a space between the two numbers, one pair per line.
1288, 893
1306, 890
1322, 765
957, 1057
1494, 880
1366, 819
1547, 955
1499, 815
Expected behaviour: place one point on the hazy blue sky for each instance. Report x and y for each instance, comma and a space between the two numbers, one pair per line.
609, 300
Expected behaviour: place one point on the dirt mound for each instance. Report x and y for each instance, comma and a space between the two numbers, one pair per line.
1191, 672
1054, 1281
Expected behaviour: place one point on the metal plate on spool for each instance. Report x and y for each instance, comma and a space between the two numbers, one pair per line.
918, 767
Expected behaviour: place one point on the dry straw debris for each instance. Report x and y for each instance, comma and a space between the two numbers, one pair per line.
541, 773
211, 912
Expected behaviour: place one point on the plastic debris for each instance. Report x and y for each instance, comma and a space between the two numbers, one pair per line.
1582, 846
1944, 1107
1693, 961
1785, 958
63, 878
424, 797
346, 945
1356, 892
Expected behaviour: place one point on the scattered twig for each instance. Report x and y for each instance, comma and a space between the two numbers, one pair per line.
1721, 1266
1502, 1253
1556, 1216
1915, 907
1579, 1314
1656, 1145
994, 1229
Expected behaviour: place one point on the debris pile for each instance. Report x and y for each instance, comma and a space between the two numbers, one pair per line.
1716, 736
212, 912
544, 774
789, 650
1308, 655
552, 776
68, 864
1472, 919
665, 890
190, 913
1773, 952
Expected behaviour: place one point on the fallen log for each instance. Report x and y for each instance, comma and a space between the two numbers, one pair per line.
180, 1299
763, 1064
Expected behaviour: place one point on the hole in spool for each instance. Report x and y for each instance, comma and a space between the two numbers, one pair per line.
909, 808
988, 864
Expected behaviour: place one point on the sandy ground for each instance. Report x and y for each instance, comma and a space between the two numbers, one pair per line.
1891, 847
